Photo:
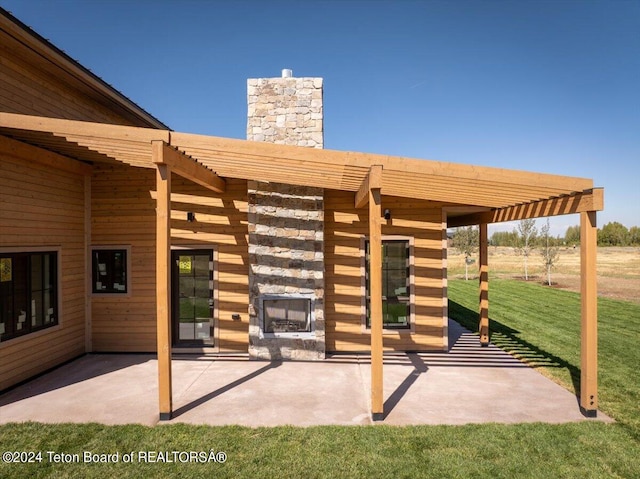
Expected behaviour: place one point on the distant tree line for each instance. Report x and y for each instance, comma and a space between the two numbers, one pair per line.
526, 238
611, 234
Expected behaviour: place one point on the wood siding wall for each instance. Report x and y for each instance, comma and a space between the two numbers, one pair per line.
345, 227
42, 206
123, 213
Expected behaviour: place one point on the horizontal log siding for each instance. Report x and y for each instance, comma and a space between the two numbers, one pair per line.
123, 213
345, 227
125, 217
42, 206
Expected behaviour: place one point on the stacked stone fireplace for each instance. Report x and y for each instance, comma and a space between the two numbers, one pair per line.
286, 227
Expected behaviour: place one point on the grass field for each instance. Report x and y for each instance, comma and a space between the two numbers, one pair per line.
536, 323
618, 269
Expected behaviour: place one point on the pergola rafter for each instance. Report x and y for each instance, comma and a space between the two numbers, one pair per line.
451, 183
577, 202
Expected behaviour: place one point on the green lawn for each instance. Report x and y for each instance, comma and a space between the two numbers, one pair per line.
536, 323
541, 325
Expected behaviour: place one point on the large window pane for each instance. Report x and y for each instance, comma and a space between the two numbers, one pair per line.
6, 296
396, 284
37, 272
20, 294
28, 292
192, 278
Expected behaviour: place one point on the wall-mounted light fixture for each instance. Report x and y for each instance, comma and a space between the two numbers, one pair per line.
387, 214
191, 217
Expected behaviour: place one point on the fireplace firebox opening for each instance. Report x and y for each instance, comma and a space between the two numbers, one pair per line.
287, 316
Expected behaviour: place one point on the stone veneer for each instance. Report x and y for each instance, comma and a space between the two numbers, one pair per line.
286, 222
285, 111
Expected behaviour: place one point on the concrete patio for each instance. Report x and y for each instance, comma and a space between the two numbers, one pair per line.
469, 384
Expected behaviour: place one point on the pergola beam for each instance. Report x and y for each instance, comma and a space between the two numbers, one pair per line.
163, 279
373, 180
62, 127
190, 169
588, 200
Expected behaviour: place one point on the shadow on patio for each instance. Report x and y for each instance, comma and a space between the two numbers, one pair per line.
419, 388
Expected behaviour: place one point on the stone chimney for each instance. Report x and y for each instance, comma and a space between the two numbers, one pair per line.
286, 226
286, 110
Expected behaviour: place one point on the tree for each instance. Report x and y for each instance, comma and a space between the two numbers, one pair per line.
613, 234
549, 251
504, 238
634, 236
465, 240
572, 235
527, 233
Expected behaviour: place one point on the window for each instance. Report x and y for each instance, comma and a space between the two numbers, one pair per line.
28, 293
109, 271
396, 284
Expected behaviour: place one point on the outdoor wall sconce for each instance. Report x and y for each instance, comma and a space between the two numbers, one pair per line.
387, 214
191, 217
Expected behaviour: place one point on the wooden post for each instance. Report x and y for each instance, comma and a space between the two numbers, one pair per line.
163, 280
88, 327
484, 286
375, 288
589, 315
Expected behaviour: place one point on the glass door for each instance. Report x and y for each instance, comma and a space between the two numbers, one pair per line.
192, 297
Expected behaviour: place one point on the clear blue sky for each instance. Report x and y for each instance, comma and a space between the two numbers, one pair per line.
549, 86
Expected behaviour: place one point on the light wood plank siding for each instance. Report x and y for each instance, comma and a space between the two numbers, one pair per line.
345, 227
123, 213
221, 223
42, 206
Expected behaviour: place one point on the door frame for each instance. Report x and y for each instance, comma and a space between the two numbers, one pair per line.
195, 348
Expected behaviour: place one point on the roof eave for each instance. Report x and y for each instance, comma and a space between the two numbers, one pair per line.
48, 50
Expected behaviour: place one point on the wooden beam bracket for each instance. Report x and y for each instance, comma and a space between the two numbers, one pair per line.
190, 169
373, 180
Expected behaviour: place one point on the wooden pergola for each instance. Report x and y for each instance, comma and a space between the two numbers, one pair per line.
472, 195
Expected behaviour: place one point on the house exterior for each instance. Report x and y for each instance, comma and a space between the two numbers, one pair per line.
120, 235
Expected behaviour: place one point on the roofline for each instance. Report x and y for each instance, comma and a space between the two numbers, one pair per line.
38, 43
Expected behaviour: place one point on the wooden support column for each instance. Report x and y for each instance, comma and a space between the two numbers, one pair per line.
163, 279
589, 315
484, 286
375, 289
